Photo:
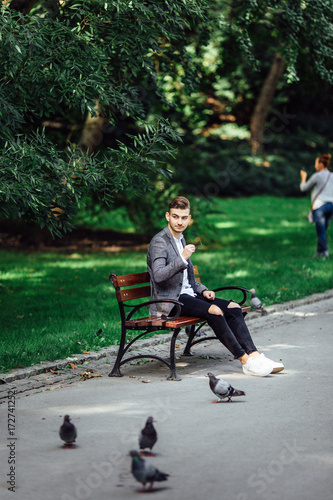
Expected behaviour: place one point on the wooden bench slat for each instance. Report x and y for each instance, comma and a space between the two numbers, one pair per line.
158, 321
183, 321
133, 293
128, 280
131, 279
196, 273
180, 322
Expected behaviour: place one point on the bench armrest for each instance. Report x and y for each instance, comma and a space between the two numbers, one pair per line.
242, 289
164, 317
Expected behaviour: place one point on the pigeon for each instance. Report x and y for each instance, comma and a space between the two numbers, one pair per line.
256, 303
148, 436
145, 472
222, 389
67, 432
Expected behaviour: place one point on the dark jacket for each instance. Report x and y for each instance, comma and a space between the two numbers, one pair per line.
165, 267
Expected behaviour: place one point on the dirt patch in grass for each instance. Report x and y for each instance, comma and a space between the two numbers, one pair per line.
18, 236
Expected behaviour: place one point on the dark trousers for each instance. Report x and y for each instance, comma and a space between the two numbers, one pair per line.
230, 329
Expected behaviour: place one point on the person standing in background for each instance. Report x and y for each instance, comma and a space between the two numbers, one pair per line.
321, 185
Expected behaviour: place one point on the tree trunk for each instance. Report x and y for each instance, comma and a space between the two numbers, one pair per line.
266, 95
93, 131
91, 138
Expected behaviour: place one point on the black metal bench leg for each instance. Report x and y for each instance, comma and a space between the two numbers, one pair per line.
115, 371
173, 372
116, 367
191, 335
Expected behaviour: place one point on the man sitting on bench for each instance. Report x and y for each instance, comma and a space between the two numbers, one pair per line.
172, 277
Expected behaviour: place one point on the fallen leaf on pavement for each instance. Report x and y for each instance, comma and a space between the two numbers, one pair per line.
86, 375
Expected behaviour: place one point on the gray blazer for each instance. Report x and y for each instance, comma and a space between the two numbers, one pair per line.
165, 267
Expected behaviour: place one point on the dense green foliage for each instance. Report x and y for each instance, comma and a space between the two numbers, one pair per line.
53, 304
68, 60
144, 74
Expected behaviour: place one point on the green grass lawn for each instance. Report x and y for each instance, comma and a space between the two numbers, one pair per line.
52, 304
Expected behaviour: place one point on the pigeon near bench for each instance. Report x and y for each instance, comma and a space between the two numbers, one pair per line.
222, 389
256, 303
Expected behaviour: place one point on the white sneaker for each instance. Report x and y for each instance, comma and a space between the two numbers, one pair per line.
258, 367
276, 367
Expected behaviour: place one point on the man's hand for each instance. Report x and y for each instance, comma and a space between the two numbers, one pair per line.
303, 175
209, 294
187, 252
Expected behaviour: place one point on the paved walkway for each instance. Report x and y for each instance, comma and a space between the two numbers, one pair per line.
276, 442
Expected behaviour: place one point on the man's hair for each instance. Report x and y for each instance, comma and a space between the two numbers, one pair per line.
179, 202
325, 160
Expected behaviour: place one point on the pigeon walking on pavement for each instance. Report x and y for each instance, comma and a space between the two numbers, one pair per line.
145, 472
256, 303
148, 436
222, 389
67, 432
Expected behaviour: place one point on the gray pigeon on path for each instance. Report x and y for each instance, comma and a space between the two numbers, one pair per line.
222, 389
256, 303
145, 472
67, 432
148, 436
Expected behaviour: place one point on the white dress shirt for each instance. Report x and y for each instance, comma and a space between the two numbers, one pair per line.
186, 288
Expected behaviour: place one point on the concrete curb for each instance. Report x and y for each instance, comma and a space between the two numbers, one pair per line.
78, 359
44, 367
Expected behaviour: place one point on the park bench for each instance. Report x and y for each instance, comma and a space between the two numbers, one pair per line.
137, 286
